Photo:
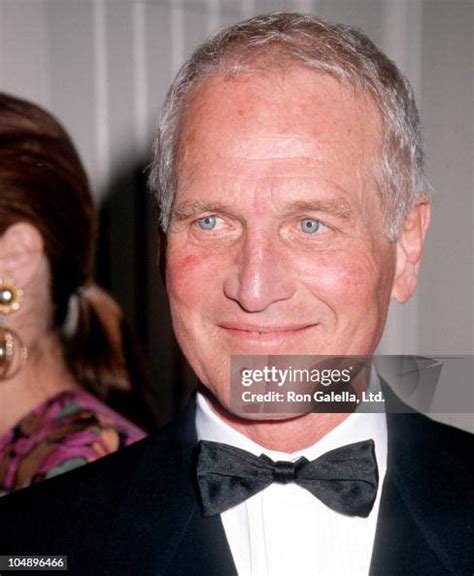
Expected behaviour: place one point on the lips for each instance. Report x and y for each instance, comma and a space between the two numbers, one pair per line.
262, 330
251, 338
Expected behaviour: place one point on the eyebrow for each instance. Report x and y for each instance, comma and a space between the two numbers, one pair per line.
337, 207
188, 209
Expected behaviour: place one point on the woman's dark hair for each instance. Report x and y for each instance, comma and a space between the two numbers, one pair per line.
43, 182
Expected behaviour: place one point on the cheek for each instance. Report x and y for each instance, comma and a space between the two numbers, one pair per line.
345, 280
191, 277
182, 275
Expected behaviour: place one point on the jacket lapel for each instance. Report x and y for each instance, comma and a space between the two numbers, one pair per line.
203, 549
418, 530
159, 529
400, 545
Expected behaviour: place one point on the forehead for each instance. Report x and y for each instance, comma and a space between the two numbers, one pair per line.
279, 130
295, 103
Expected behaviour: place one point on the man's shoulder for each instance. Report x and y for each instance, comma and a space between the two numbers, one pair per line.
430, 451
412, 432
427, 494
76, 510
424, 432
431, 465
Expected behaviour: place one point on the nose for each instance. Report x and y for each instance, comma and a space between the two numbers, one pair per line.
261, 275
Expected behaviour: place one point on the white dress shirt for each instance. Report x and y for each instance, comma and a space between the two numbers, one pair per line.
284, 530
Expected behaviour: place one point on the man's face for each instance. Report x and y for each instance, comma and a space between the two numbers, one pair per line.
276, 244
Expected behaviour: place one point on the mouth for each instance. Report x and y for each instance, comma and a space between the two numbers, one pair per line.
265, 333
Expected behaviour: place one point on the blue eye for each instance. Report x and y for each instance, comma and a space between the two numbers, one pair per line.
310, 225
207, 223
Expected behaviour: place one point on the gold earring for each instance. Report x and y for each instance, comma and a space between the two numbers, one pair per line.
13, 353
11, 296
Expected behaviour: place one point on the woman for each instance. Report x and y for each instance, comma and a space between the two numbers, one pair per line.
64, 346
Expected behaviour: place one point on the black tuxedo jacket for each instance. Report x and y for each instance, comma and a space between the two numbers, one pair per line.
136, 512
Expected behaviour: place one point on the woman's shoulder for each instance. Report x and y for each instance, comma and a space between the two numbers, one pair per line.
68, 430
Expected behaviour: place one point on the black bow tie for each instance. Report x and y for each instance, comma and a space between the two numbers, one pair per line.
345, 479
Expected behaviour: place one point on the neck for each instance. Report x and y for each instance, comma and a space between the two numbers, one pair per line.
44, 375
287, 435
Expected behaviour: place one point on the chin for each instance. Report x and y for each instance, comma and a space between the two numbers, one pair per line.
255, 412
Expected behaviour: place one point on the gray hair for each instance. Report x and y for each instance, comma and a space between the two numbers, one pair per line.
280, 39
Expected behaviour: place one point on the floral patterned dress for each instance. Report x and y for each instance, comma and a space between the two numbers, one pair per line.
66, 431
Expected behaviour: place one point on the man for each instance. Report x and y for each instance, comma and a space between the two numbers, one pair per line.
289, 173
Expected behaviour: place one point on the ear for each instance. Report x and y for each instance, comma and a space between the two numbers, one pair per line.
21, 251
409, 249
